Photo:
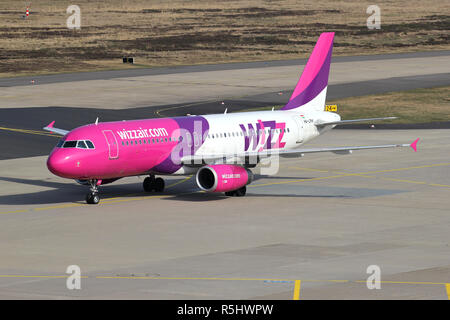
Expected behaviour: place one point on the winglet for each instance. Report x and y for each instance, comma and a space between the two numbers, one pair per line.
414, 144
52, 129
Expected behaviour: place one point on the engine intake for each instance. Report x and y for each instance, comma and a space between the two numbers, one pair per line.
223, 177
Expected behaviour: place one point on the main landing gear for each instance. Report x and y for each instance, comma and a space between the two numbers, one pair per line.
153, 184
237, 193
92, 197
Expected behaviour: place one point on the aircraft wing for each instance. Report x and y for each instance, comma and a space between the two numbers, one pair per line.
296, 153
52, 129
321, 124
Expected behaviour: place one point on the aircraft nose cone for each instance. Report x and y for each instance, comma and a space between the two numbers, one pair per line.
57, 164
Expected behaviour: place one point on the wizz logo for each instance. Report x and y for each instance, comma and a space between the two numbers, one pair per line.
262, 134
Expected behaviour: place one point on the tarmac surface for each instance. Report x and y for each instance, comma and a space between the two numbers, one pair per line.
309, 232
112, 74
322, 219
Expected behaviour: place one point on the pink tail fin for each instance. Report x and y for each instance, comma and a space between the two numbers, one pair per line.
314, 79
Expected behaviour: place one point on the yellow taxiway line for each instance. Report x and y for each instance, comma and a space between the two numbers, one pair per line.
366, 174
297, 282
297, 290
41, 133
112, 200
42, 277
361, 174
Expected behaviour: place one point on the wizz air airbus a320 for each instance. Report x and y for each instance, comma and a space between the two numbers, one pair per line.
220, 149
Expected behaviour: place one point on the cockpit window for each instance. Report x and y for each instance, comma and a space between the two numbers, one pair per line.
70, 144
90, 144
60, 143
81, 144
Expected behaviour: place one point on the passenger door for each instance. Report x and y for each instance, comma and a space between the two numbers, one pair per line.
112, 144
300, 131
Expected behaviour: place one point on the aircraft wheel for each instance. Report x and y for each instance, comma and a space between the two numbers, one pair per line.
92, 198
241, 192
149, 184
230, 193
159, 184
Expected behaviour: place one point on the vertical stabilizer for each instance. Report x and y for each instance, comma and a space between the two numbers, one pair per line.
311, 89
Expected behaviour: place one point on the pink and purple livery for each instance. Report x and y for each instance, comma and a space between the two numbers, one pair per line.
220, 149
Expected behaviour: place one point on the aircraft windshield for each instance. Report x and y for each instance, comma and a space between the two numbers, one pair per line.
80, 144
70, 144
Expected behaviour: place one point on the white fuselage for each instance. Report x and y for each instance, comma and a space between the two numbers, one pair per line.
259, 131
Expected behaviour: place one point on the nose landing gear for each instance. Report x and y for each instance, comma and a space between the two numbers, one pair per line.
92, 197
150, 184
153, 184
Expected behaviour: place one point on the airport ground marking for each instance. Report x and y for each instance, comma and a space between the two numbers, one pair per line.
364, 174
15, 211
41, 133
297, 282
158, 112
173, 278
134, 199
406, 282
60, 206
179, 182
112, 200
406, 181
403, 180
338, 175
297, 290
37, 276
191, 278
72, 205
308, 169
295, 181
439, 185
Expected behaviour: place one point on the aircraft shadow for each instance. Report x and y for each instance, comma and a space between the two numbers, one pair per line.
206, 197
65, 192
74, 193
260, 177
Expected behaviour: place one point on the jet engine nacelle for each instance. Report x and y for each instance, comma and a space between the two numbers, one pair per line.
223, 177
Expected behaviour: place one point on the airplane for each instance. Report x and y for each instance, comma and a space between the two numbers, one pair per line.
220, 149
